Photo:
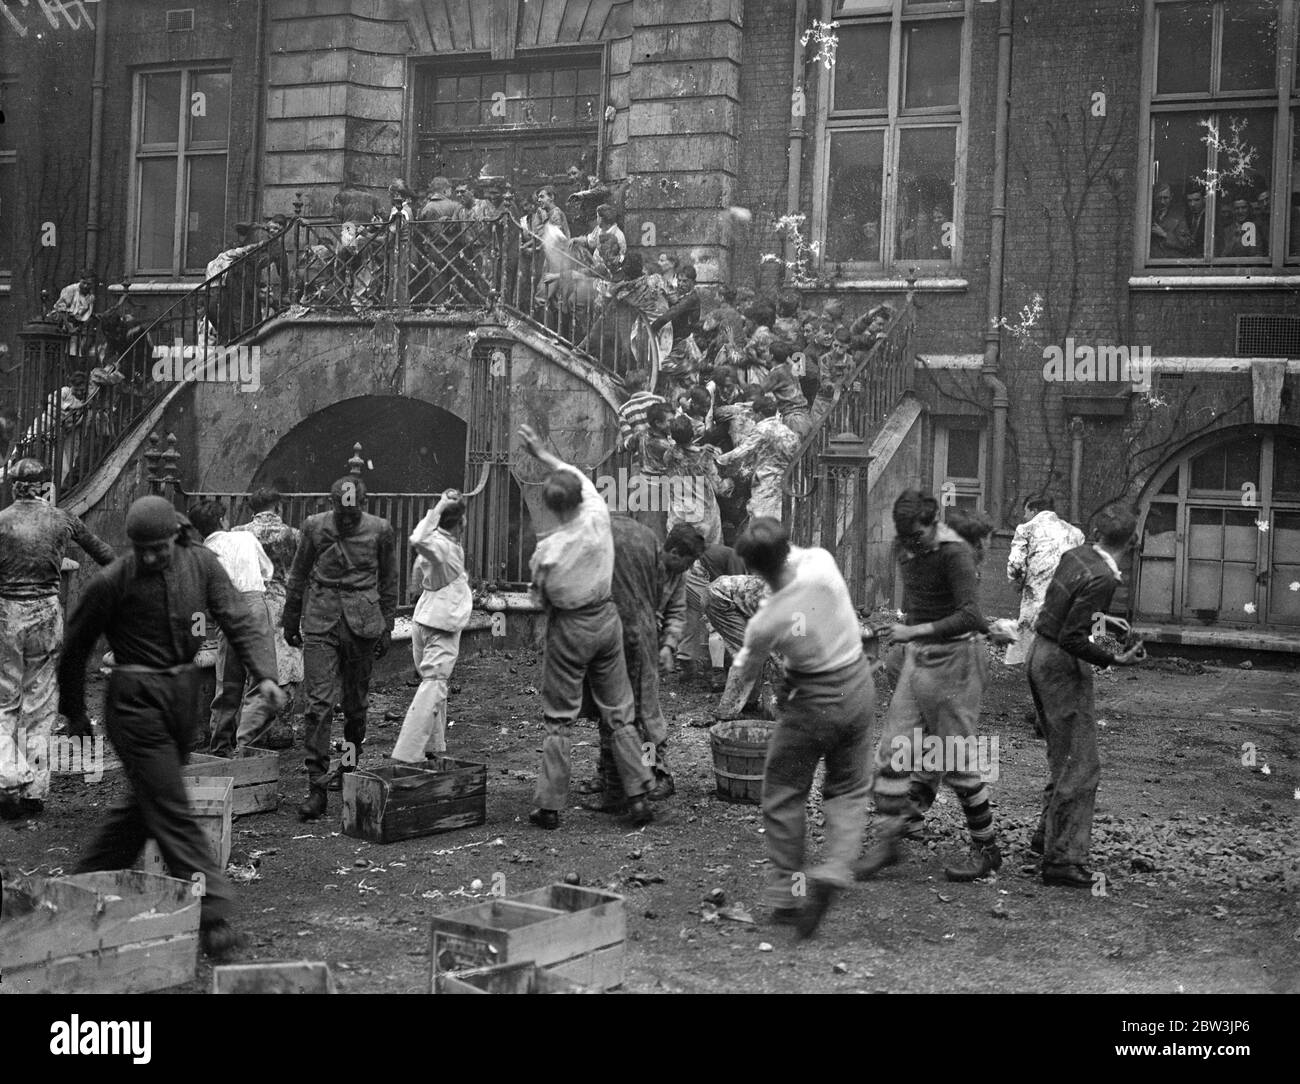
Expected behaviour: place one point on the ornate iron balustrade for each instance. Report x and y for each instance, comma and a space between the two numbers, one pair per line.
862, 401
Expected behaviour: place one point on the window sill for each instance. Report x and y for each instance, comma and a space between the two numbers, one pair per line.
1215, 282
164, 286
922, 285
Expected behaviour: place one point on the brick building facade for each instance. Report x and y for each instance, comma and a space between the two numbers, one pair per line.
692, 107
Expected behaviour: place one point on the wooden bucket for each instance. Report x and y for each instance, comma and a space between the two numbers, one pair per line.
739, 752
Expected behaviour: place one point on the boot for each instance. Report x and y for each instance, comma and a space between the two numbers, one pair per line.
984, 859
1067, 876
887, 852
314, 807
820, 896
220, 940
640, 812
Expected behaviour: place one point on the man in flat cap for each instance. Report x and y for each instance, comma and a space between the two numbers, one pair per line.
150, 606
342, 599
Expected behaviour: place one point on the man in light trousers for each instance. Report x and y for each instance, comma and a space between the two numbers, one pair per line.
440, 616
824, 711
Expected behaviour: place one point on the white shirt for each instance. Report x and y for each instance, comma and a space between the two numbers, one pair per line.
243, 558
810, 621
446, 601
573, 565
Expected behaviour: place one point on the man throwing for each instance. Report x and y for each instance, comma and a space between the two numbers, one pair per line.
440, 616
824, 711
572, 569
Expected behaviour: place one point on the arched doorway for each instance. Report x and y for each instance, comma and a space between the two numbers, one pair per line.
1220, 540
410, 447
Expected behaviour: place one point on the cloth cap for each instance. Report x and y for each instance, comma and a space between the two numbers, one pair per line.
151, 519
27, 470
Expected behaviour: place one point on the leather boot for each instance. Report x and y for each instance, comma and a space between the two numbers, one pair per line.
314, 807
1067, 876
984, 859
888, 852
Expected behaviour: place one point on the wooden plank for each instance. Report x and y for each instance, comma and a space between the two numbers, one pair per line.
439, 25
297, 977
90, 912
479, 29
462, 30
124, 969
518, 978
263, 798
603, 969
258, 767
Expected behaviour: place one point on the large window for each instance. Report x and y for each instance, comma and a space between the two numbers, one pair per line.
960, 450
1225, 117
892, 136
526, 120
181, 134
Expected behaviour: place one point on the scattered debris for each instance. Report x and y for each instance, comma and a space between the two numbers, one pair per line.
763, 946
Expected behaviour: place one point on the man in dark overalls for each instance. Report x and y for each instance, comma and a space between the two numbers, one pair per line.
342, 598
149, 605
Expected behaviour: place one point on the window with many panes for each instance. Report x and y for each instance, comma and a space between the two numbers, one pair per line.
1224, 139
181, 135
892, 135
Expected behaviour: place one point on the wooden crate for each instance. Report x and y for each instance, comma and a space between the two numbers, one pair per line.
121, 932
211, 800
256, 776
300, 977
398, 802
576, 933
521, 978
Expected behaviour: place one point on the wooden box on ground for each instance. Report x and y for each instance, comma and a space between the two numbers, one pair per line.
211, 800
300, 977
397, 801
120, 932
522, 978
575, 933
256, 776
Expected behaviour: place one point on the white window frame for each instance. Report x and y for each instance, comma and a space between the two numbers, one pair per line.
962, 487
1283, 100
180, 152
892, 123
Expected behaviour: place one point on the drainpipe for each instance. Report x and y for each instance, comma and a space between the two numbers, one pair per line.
1076, 468
794, 152
93, 226
259, 110
997, 245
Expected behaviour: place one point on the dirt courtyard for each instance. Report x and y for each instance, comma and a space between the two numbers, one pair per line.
1195, 833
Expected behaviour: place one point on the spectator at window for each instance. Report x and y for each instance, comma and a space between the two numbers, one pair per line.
1241, 236
1194, 198
1169, 236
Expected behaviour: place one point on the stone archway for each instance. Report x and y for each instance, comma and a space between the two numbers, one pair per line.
410, 446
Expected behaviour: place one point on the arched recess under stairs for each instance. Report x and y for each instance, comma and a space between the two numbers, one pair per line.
1220, 537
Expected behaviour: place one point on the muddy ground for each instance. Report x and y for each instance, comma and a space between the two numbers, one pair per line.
1199, 852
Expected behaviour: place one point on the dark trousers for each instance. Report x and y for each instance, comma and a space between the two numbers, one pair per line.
150, 722
819, 717
328, 659
1063, 695
587, 642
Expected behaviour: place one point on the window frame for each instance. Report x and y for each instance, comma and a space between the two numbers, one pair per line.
181, 152
1282, 100
962, 487
427, 69
893, 121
